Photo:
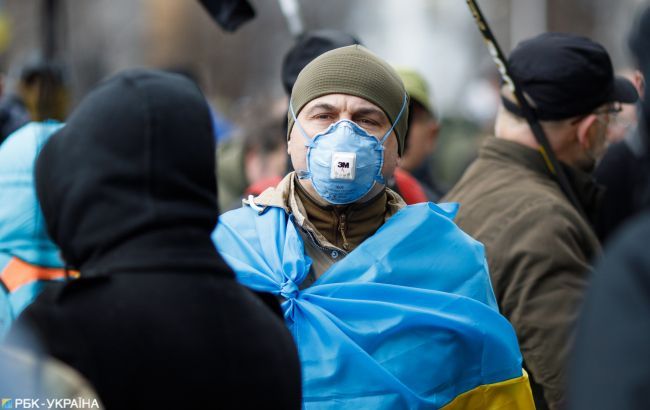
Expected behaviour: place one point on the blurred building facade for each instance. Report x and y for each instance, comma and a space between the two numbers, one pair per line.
98, 37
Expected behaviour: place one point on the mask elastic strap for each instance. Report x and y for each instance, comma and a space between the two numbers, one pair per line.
308, 141
399, 116
301, 173
379, 178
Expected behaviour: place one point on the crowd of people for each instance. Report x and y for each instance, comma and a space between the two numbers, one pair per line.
310, 259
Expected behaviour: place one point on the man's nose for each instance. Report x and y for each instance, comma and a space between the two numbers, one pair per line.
345, 116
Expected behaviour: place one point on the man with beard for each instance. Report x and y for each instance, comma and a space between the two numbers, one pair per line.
539, 246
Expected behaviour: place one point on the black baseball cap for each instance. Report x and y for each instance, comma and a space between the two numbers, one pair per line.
566, 76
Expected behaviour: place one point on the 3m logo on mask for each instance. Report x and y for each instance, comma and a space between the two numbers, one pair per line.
343, 165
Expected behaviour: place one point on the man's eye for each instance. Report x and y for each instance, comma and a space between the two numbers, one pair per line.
323, 116
367, 121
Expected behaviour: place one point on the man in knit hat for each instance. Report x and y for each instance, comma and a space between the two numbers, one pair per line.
312, 44
379, 296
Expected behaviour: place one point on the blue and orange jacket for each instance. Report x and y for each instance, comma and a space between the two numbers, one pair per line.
28, 258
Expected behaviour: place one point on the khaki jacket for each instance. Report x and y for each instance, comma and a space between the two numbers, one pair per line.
539, 250
322, 252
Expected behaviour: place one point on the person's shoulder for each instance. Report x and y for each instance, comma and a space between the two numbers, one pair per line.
488, 179
250, 218
526, 218
425, 219
546, 215
504, 202
429, 211
247, 213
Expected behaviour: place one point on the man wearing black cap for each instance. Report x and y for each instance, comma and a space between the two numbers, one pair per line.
539, 246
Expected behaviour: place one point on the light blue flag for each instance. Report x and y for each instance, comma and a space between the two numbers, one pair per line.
406, 320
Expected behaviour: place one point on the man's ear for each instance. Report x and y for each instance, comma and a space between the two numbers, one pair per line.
289, 141
433, 129
586, 130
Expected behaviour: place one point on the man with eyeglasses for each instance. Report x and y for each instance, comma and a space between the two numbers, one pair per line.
622, 170
539, 247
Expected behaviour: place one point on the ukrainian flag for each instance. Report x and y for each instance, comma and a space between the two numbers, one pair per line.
408, 320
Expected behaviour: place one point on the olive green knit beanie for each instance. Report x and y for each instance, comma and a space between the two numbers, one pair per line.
353, 70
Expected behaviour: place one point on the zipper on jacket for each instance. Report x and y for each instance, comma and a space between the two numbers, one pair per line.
342, 226
324, 249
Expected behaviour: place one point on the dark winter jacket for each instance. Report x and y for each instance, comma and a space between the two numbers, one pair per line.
610, 358
157, 319
625, 173
539, 250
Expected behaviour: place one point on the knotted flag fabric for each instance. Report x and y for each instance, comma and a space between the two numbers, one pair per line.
408, 319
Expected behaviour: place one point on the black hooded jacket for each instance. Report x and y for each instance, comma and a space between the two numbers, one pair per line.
128, 191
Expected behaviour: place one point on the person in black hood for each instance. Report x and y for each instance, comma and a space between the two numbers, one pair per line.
128, 192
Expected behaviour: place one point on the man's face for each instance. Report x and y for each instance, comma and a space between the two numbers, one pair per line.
627, 118
321, 112
595, 142
622, 123
600, 142
422, 135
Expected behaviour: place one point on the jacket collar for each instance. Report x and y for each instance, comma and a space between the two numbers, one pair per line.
284, 196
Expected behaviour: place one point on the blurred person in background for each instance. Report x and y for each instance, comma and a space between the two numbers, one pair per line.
222, 128
265, 158
254, 159
626, 121
156, 318
539, 246
422, 135
622, 171
379, 296
41, 94
461, 136
13, 113
28, 258
307, 47
610, 368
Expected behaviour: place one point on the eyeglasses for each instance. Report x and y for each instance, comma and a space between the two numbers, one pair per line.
611, 111
621, 122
